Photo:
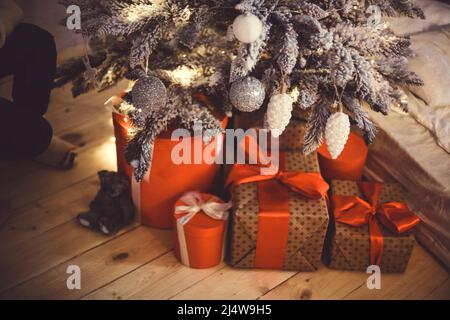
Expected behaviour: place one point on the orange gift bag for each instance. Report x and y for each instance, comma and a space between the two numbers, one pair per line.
166, 182
200, 221
350, 163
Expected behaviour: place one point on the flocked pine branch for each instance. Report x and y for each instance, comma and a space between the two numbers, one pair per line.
316, 125
324, 43
139, 150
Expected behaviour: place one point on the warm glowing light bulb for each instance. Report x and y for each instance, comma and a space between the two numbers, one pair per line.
184, 75
295, 93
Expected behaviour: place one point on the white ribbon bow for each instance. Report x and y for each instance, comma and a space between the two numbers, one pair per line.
193, 205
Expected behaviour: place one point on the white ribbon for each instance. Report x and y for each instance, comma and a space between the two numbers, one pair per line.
193, 205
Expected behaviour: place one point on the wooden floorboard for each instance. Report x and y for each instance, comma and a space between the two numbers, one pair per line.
162, 278
231, 283
39, 254
423, 275
46, 181
98, 266
441, 292
47, 213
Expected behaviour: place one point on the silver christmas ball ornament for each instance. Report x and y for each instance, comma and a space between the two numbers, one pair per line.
247, 94
149, 93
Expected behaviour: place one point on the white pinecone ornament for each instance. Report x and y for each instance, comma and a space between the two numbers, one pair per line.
279, 111
336, 133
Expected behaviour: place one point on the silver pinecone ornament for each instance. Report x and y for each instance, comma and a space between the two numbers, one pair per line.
279, 111
336, 133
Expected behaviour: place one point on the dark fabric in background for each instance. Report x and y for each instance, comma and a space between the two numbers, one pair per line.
29, 55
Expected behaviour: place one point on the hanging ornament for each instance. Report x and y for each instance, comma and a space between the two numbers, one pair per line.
247, 28
336, 133
279, 111
149, 93
90, 73
248, 94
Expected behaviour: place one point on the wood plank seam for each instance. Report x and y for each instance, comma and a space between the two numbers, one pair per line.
17, 212
124, 275
444, 283
352, 291
22, 205
68, 259
197, 282
437, 287
278, 285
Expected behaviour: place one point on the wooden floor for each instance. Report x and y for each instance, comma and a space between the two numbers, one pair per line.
39, 238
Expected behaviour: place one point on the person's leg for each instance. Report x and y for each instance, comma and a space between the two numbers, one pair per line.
30, 55
23, 134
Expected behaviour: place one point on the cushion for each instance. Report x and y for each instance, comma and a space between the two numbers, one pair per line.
431, 62
437, 14
435, 119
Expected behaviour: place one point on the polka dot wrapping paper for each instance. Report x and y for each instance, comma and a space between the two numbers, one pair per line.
307, 226
293, 136
292, 139
349, 248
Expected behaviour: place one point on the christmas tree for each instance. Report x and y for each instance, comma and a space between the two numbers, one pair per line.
327, 56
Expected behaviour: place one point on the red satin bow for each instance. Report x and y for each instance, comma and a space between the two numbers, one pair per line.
310, 185
355, 211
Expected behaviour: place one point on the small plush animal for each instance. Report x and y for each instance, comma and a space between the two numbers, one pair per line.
112, 208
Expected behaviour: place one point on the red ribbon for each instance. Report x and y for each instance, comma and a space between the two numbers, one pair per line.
356, 212
274, 213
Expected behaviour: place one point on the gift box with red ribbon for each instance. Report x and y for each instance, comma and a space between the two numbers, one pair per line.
372, 225
200, 223
279, 220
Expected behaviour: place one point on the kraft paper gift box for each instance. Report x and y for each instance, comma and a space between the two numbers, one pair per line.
278, 221
290, 140
293, 137
371, 225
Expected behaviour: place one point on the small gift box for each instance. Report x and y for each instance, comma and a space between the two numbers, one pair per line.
350, 163
279, 220
372, 226
200, 222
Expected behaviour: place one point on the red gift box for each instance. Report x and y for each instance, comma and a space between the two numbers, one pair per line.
200, 222
350, 163
166, 182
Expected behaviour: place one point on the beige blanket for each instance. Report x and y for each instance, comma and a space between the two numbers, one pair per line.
407, 151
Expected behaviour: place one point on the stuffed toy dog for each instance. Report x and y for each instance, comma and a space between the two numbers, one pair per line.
112, 208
